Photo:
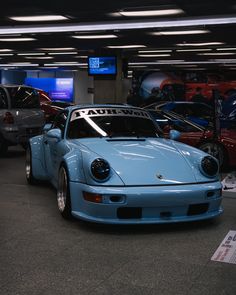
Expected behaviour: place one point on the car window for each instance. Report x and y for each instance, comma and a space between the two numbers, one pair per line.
201, 110
3, 99
23, 97
60, 121
111, 126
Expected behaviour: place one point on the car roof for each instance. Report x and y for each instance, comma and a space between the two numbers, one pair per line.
86, 106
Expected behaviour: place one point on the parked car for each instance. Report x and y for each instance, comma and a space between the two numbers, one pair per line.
52, 108
223, 146
20, 115
197, 112
110, 164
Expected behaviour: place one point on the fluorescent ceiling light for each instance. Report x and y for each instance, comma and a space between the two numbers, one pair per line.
31, 53
194, 50
39, 57
137, 66
185, 66
56, 48
5, 50
19, 65
158, 12
6, 54
63, 53
217, 53
48, 67
38, 18
200, 44
226, 48
122, 25
153, 55
155, 51
66, 64
170, 61
17, 39
108, 36
125, 46
81, 56
228, 60
212, 61
185, 32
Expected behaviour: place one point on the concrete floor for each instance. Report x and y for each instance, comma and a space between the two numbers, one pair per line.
40, 253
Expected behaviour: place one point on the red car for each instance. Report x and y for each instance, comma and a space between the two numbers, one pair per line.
206, 84
222, 147
50, 108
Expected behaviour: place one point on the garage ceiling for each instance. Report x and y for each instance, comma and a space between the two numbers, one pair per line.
211, 42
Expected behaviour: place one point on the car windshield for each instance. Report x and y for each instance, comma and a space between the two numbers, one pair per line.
24, 98
111, 122
174, 121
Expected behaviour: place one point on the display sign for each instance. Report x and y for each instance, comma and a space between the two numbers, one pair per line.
57, 88
102, 65
226, 252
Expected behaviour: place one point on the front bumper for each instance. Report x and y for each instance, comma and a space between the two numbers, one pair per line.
147, 204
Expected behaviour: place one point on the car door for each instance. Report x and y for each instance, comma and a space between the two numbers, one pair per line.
54, 148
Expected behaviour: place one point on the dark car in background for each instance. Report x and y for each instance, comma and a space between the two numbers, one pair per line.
223, 146
197, 112
20, 115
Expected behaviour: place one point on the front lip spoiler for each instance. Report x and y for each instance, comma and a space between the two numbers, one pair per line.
156, 185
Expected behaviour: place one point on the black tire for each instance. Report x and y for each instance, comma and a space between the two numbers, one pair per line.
63, 193
215, 150
28, 167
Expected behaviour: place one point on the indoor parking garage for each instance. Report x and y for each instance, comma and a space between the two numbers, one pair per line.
118, 147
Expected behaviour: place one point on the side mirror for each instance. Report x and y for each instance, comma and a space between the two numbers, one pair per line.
174, 134
55, 133
47, 127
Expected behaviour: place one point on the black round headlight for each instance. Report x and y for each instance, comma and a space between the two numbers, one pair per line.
100, 169
209, 166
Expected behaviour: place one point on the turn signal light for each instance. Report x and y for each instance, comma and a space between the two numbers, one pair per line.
8, 118
95, 198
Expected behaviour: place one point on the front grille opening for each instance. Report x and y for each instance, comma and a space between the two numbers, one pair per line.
129, 212
197, 209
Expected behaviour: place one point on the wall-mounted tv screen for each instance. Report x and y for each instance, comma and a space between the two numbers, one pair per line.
102, 65
57, 88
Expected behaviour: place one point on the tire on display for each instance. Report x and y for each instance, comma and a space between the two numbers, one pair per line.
28, 167
215, 150
63, 193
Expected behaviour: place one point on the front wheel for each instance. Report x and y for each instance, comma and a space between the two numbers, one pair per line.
214, 150
28, 167
63, 194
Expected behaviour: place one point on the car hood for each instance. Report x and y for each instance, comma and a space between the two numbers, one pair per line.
143, 161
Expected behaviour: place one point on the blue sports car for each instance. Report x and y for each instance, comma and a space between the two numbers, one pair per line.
111, 164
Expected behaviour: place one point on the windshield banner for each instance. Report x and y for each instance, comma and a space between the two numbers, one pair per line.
95, 112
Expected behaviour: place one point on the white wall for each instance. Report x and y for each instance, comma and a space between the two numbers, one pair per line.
83, 84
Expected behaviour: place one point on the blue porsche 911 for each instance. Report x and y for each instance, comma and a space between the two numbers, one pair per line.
111, 164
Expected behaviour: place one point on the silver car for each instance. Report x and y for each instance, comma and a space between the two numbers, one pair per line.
20, 115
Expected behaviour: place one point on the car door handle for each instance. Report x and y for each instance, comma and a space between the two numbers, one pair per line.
45, 142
